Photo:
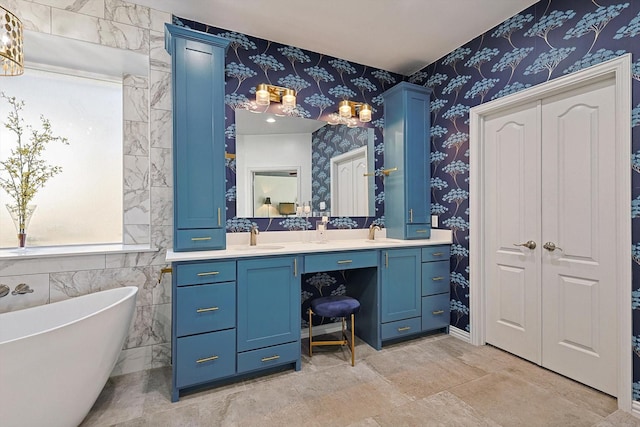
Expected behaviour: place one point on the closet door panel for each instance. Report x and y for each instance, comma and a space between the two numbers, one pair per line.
578, 218
512, 192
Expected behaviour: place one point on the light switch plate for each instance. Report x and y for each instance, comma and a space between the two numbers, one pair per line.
434, 221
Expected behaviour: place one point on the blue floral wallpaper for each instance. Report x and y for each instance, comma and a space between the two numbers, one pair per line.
548, 40
326, 143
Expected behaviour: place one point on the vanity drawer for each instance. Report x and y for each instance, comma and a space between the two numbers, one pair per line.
436, 253
435, 311
268, 356
205, 357
200, 239
205, 272
400, 328
340, 261
418, 231
435, 277
205, 308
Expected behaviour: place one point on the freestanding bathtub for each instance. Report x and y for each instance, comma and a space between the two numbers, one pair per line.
56, 358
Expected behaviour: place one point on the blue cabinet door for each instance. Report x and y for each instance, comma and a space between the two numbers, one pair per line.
406, 147
268, 302
198, 138
401, 284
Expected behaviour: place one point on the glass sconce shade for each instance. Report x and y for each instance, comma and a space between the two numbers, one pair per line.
365, 113
289, 98
262, 94
344, 109
11, 44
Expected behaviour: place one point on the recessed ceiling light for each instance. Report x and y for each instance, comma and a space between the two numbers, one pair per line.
271, 120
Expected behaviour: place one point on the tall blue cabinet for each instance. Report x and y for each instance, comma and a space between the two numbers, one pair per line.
407, 206
198, 138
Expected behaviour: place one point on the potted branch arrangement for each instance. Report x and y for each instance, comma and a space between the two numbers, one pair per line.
24, 171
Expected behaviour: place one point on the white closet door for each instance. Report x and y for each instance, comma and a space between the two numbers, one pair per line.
512, 156
578, 216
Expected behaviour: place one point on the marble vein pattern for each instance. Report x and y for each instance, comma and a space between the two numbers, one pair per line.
128, 13
85, 7
162, 129
136, 172
161, 167
34, 16
136, 138
159, 58
136, 207
50, 265
151, 325
136, 234
161, 205
160, 90
135, 103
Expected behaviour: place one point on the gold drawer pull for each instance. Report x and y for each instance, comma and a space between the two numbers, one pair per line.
421, 231
198, 239
209, 273
345, 261
435, 279
268, 359
437, 253
435, 313
204, 310
406, 328
207, 359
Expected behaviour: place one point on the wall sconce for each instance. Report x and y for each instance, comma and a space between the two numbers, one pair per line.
349, 109
11, 41
268, 93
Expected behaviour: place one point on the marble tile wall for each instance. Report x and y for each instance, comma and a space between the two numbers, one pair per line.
147, 179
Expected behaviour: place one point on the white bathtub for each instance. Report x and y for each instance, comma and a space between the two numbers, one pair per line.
56, 358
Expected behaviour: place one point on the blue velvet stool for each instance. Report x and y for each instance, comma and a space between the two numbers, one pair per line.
335, 306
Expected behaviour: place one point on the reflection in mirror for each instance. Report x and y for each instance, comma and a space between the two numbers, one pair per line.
274, 193
330, 163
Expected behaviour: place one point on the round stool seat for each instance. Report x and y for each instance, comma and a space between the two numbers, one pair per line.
335, 306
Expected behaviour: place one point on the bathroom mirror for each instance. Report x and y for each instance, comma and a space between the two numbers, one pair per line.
329, 163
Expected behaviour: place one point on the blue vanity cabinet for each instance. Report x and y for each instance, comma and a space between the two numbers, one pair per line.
198, 61
400, 292
203, 338
436, 304
268, 329
407, 205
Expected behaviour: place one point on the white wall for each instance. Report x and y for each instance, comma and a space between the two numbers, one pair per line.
271, 152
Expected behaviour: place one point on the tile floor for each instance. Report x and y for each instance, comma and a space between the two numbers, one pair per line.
431, 381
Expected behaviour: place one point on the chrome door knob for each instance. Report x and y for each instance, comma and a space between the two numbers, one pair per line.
550, 246
529, 245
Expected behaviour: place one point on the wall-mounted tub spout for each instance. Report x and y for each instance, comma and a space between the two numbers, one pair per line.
4, 290
22, 288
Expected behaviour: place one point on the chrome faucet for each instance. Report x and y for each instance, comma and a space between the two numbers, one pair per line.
372, 231
253, 235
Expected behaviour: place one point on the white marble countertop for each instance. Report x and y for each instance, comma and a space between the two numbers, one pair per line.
306, 242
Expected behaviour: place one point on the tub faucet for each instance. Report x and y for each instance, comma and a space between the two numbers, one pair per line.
253, 235
372, 231
21, 289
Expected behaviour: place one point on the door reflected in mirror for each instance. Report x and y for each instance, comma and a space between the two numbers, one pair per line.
329, 162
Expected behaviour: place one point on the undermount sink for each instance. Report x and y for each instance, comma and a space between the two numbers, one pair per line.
257, 248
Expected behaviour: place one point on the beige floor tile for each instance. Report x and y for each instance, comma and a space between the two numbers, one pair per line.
442, 409
122, 399
585, 397
510, 401
355, 404
434, 377
619, 419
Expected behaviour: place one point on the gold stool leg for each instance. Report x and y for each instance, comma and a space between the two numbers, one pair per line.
353, 347
310, 334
